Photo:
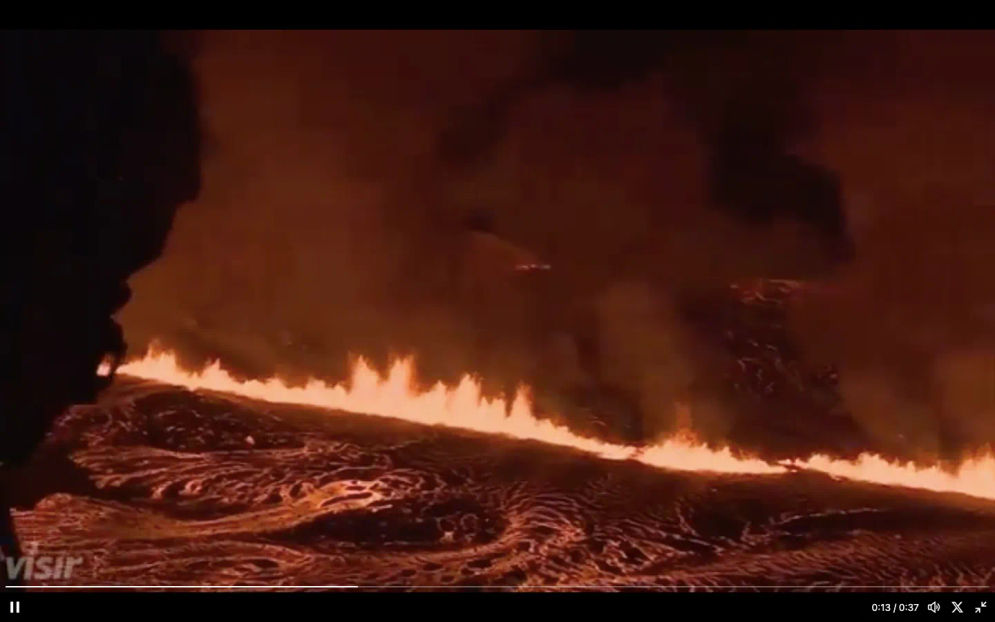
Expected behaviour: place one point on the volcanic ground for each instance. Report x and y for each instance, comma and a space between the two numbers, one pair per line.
156, 485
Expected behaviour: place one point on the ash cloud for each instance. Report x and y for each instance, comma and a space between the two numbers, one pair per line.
373, 193
909, 321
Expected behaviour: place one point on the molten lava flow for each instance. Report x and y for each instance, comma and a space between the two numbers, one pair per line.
975, 476
464, 406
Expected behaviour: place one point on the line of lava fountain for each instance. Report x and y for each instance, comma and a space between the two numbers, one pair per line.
463, 406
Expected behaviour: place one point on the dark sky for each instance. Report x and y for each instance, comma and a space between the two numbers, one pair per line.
371, 192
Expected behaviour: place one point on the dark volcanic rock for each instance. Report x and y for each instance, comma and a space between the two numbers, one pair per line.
373, 501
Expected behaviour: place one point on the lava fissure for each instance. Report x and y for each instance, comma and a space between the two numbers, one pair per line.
464, 406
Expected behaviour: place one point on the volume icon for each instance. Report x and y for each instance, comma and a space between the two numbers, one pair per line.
933, 607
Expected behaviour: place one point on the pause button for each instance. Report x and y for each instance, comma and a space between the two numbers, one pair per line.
15, 606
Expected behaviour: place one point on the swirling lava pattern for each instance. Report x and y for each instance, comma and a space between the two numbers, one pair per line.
190, 488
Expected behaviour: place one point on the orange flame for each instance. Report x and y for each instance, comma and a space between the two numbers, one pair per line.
464, 406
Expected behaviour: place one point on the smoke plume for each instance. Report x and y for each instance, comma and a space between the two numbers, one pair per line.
539, 208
